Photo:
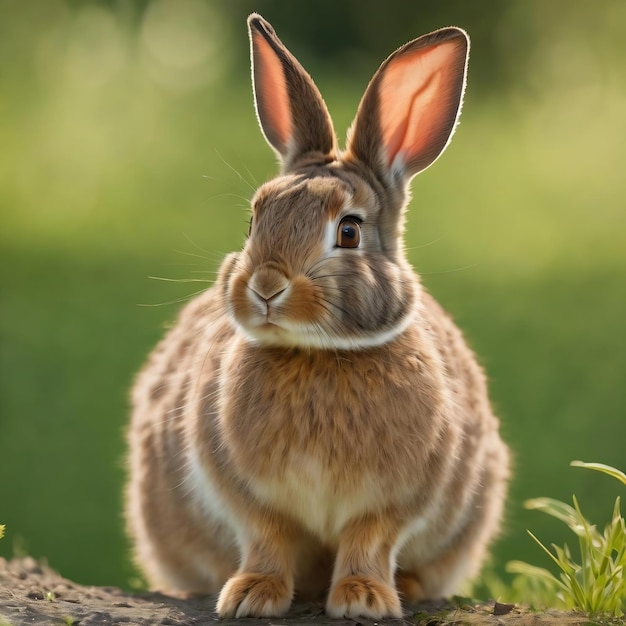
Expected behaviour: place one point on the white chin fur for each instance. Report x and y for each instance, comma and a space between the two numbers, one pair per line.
308, 336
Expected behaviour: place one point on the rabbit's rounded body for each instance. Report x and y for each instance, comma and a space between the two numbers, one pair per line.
315, 421
380, 432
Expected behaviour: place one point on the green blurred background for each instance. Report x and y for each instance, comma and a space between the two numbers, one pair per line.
129, 148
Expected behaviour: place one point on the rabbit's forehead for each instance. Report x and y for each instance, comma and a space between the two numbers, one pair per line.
319, 198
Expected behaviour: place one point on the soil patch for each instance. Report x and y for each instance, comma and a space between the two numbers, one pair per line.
32, 593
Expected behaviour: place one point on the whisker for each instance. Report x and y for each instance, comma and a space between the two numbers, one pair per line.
175, 301
451, 271
194, 244
241, 178
425, 245
323, 302
254, 180
194, 271
197, 256
179, 280
347, 277
227, 194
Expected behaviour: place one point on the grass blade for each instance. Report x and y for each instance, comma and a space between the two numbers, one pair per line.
601, 467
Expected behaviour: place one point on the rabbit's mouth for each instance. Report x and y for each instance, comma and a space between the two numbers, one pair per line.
270, 327
271, 334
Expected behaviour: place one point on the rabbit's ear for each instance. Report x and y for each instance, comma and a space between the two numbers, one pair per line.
410, 108
290, 108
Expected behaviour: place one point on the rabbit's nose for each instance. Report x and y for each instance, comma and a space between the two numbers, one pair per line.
268, 284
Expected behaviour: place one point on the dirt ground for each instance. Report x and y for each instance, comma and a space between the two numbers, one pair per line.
31, 593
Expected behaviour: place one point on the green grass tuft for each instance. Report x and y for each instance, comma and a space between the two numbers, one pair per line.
596, 582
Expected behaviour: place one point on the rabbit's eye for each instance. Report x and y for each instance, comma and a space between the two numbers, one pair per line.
349, 233
250, 226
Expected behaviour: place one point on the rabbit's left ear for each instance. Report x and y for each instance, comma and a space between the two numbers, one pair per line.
410, 108
290, 108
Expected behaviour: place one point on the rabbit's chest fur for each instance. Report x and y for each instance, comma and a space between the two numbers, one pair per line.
325, 435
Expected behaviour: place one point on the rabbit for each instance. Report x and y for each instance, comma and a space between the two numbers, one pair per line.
314, 424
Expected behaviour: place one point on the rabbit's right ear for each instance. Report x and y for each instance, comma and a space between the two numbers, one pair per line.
411, 106
290, 108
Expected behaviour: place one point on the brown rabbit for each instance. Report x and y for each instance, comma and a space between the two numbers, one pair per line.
315, 421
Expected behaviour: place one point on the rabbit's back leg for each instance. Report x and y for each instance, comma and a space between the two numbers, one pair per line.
443, 576
180, 545
460, 561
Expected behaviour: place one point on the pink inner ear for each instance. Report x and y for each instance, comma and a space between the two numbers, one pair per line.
271, 93
418, 95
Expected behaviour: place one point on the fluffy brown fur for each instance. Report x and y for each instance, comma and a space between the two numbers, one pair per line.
315, 423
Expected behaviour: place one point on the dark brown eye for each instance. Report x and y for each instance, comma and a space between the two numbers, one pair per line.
250, 226
349, 233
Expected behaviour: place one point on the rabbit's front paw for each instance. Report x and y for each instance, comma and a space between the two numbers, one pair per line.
254, 595
363, 596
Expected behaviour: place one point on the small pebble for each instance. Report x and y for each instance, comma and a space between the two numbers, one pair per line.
35, 595
502, 609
